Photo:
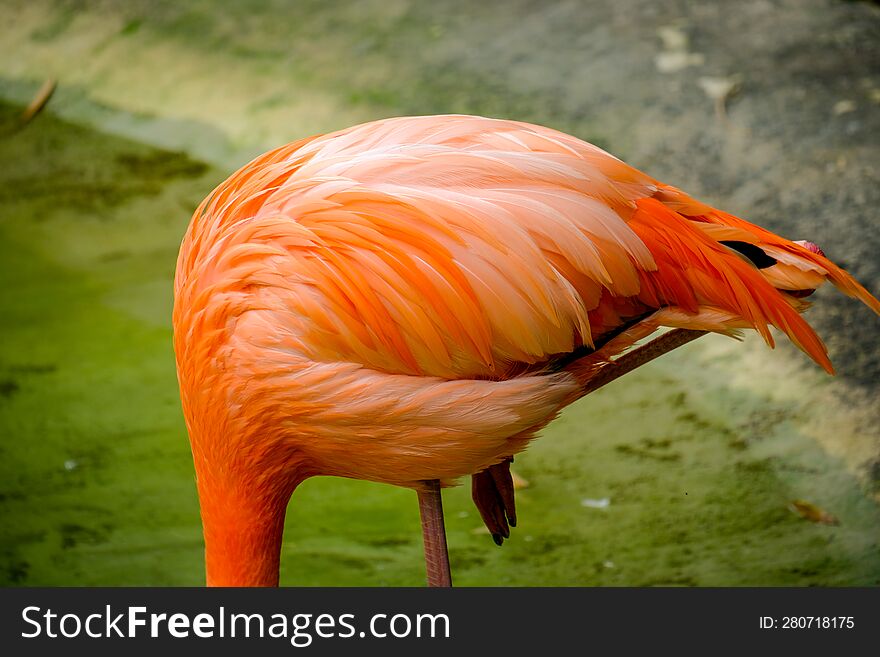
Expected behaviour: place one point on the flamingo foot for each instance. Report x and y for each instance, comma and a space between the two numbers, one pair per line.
492, 490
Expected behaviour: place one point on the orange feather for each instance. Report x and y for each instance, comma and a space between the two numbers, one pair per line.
387, 302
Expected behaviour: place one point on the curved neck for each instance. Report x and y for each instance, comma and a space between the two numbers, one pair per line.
242, 537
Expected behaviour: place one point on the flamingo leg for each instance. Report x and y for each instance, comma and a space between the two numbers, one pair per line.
640, 356
434, 534
492, 489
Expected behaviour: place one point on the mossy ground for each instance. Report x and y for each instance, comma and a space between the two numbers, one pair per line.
699, 454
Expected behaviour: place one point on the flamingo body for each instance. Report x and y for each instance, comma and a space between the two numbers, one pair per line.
406, 300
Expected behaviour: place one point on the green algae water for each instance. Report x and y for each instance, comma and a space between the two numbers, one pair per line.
677, 474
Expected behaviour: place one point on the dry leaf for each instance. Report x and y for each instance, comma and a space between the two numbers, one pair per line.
39, 102
843, 107
672, 62
812, 512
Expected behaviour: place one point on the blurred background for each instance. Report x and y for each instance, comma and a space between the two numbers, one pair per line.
722, 464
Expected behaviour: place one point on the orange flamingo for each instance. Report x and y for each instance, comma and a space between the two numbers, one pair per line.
408, 301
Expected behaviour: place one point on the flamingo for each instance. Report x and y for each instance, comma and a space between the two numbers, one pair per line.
410, 300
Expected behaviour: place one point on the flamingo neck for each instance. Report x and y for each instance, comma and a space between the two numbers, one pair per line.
245, 477
243, 537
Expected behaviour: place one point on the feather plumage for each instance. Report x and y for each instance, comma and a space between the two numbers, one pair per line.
387, 302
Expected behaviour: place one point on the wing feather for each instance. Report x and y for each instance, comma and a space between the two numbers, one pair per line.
463, 247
